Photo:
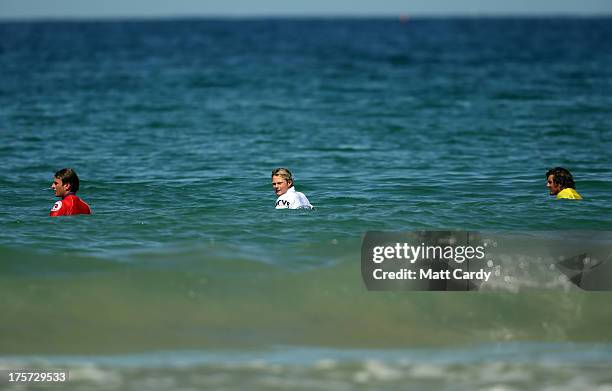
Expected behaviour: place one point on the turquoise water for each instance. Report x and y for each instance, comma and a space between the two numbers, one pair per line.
512, 367
174, 128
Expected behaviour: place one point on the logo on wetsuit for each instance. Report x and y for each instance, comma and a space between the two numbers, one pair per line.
57, 206
283, 202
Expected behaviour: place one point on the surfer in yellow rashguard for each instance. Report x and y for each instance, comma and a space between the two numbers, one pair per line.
560, 183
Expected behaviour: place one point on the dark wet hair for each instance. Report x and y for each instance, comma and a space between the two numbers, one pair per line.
69, 176
562, 177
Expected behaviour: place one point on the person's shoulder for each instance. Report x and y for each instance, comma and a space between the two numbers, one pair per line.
291, 194
569, 194
76, 198
293, 199
301, 196
57, 207
302, 201
74, 205
71, 198
81, 207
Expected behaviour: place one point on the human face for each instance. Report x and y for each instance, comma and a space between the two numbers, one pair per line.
61, 189
280, 185
553, 188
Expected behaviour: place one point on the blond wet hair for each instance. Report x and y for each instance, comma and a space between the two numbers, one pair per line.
283, 173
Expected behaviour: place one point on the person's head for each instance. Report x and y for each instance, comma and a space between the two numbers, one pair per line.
281, 180
557, 179
65, 181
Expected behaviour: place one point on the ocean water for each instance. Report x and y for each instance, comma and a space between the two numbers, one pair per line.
186, 277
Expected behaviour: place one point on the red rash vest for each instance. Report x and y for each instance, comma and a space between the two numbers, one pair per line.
70, 205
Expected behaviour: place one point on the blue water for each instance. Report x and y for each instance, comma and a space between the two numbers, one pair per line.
175, 126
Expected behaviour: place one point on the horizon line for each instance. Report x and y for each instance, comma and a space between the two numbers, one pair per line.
263, 16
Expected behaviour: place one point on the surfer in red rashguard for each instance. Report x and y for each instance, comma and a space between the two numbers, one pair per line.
66, 184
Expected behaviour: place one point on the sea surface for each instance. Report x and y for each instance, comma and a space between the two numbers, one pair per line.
186, 277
